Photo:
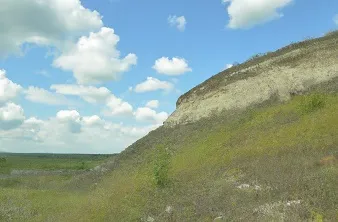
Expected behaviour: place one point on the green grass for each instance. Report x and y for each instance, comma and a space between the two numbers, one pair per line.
49, 162
277, 147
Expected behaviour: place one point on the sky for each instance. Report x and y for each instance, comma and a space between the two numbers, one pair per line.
95, 76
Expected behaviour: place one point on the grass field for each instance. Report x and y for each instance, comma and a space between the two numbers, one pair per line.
11, 161
276, 162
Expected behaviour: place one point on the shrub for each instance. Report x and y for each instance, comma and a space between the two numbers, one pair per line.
82, 165
331, 32
3, 161
316, 217
161, 167
257, 56
312, 103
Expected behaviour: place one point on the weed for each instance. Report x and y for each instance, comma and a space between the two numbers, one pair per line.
161, 167
316, 217
312, 103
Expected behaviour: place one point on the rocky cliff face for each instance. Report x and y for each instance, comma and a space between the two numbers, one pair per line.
287, 71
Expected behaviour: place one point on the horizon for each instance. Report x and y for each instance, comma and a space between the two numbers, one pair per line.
95, 79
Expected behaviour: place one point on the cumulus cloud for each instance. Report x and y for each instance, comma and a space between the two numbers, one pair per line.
92, 120
153, 104
31, 130
39, 95
178, 21
153, 84
90, 94
228, 66
172, 67
92, 135
248, 13
71, 118
8, 89
48, 22
94, 95
33, 121
335, 19
95, 59
146, 114
11, 116
118, 107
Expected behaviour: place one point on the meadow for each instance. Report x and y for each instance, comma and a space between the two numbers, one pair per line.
31, 161
273, 162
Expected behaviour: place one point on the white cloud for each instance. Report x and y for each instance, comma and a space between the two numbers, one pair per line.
148, 115
8, 89
153, 84
47, 22
118, 107
91, 134
95, 59
33, 121
153, 104
11, 116
90, 94
180, 22
228, 66
248, 13
172, 67
68, 115
39, 95
137, 131
94, 95
92, 120
335, 19
71, 118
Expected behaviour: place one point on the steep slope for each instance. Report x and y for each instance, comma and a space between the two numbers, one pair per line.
270, 160
290, 70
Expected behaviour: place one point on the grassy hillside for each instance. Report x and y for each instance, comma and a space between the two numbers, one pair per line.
273, 162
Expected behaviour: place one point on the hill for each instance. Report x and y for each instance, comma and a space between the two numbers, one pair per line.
256, 142
290, 70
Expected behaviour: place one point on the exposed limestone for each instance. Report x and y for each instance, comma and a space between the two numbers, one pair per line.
279, 73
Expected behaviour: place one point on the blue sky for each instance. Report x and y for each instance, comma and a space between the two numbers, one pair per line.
76, 76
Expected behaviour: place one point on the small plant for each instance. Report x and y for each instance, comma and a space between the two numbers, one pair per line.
312, 103
256, 56
161, 167
82, 166
330, 33
3, 161
316, 217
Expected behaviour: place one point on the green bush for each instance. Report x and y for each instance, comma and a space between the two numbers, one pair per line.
161, 167
312, 103
316, 217
3, 161
82, 165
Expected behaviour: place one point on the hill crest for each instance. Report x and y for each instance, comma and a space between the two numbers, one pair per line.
287, 71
